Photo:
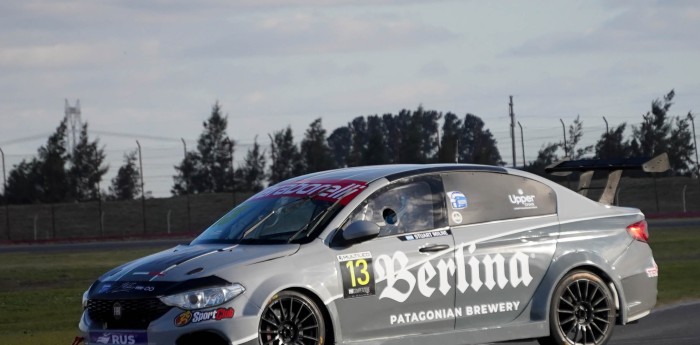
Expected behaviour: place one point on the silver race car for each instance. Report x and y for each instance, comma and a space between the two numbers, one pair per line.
395, 254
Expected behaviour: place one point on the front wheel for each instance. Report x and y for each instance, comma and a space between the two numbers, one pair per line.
582, 311
291, 318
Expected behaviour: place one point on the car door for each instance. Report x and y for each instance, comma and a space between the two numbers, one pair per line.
505, 229
399, 283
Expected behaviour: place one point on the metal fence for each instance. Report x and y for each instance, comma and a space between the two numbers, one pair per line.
163, 216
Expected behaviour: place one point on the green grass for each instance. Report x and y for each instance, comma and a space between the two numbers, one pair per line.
40, 293
677, 253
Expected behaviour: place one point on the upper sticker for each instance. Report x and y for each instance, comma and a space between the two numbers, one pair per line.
522, 201
458, 200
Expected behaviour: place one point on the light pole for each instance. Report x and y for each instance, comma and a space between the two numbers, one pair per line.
606, 125
695, 142
566, 148
606, 139
143, 191
522, 142
4, 193
187, 186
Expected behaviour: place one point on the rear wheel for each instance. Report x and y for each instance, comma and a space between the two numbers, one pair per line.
582, 311
291, 318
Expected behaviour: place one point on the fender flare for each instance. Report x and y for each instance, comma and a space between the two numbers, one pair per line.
562, 265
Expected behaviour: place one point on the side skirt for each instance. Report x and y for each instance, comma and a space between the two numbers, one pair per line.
465, 337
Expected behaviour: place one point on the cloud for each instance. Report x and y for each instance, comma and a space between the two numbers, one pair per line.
638, 27
314, 33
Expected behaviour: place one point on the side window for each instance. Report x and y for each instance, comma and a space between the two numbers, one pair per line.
406, 206
476, 197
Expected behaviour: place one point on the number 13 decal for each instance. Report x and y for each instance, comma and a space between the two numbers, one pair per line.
358, 274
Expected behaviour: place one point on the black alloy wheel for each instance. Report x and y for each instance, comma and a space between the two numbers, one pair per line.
291, 318
582, 311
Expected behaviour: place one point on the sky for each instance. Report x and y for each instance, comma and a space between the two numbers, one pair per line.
152, 70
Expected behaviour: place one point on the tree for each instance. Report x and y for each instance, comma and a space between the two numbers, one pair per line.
24, 183
43, 179
209, 169
545, 157
284, 155
611, 144
252, 172
652, 134
53, 158
86, 168
681, 147
376, 151
659, 133
358, 130
476, 144
411, 147
451, 128
125, 186
339, 143
575, 135
315, 152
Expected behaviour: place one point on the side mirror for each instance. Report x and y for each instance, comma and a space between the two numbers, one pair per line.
360, 230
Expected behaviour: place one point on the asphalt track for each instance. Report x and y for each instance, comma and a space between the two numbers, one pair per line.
672, 325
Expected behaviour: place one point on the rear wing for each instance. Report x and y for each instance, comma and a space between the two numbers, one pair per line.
614, 167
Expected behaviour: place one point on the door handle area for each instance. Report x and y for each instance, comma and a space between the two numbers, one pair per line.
434, 248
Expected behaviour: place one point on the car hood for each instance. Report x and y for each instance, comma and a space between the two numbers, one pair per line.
181, 268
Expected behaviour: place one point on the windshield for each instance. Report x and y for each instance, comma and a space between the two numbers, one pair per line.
268, 221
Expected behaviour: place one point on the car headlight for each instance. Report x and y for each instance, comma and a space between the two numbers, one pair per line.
203, 298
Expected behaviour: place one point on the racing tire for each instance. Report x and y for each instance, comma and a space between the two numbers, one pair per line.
582, 311
292, 318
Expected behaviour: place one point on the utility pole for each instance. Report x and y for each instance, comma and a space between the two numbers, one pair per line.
233, 175
607, 130
566, 148
512, 128
143, 191
187, 188
695, 141
4, 193
522, 143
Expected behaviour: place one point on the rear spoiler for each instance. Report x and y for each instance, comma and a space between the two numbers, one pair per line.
614, 167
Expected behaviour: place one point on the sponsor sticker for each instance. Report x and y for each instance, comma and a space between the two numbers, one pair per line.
187, 317
490, 272
357, 274
452, 313
522, 201
340, 190
653, 271
424, 235
116, 337
457, 199
457, 217
132, 286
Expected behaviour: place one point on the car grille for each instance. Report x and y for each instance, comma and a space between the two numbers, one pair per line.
135, 313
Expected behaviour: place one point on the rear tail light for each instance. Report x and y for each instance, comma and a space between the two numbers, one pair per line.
639, 231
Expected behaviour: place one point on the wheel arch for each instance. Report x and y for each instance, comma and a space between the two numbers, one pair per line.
319, 303
565, 264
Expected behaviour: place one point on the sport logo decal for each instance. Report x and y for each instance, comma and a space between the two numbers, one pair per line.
343, 190
357, 274
187, 317
458, 200
522, 201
